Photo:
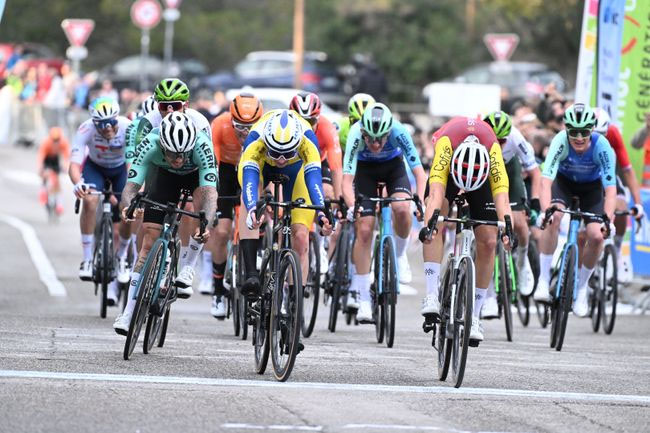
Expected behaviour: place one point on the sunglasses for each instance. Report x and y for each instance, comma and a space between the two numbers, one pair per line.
175, 105
275, 155
104, 124
177, 155
579, 132
242, 127
369, 139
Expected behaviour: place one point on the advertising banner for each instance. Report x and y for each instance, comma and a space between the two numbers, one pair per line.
610, 33
586, 57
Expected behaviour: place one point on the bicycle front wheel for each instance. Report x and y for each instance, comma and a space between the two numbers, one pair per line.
312, 289
105, 263
389, 295
506, 290
563, 305
609, 288
443, 344
338, 284
462, 319
286, 316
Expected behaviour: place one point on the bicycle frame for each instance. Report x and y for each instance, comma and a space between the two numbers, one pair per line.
572, 242
462, 248
385, 230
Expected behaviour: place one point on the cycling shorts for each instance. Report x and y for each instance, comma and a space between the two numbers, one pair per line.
517, 189
52, 163
590, 195
227, 186
326, 172
168, 188
369, 173
95, 174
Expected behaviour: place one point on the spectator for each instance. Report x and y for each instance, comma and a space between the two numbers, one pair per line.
15, 57
108, 90
220, 103
641, 140
203, 104
55, 101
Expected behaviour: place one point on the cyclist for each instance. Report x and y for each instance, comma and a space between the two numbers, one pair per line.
517, 154
281, 142
613, 135
357, 104
185, 161
102, 136
229, 131
147, 106
49, 165
308, 105
467, 151
579, 163
374, 153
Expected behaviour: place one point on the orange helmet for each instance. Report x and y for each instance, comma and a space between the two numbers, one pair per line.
246, 108
56, 133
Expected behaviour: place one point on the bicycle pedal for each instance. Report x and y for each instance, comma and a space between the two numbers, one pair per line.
428, 327
301, 347
474, 343
367, 322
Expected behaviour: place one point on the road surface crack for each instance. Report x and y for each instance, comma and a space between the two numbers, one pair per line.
292, 412
570, 411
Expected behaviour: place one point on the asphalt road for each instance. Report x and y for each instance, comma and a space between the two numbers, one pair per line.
61, 366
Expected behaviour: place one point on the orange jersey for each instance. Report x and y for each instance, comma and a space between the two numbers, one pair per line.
328, 142
224, 139
50, 149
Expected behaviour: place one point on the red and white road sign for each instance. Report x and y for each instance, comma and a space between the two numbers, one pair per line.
77, 30
172, 4
146, 14
501, 45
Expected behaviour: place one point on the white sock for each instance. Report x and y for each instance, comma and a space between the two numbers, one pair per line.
478, 301
522, 256
583, 277
353, 269
364, 286
122, 248
193, 251
182, 257
134, 246
618, 241
400, 245
130, 300
87, 244
545, 262
491, 293
206, 265
432, 277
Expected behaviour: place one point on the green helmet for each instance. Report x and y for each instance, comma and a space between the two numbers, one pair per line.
358, 104
377, 120
500, 122
171, 89
579, 116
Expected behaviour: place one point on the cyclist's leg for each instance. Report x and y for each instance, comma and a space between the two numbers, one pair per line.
118, 180
190, 253
249, 241
92, 174
517, 194
301, 219
398, 185
328, 191
620, 221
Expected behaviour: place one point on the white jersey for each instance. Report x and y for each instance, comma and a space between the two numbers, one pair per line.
516, 144
105, 153
154, 117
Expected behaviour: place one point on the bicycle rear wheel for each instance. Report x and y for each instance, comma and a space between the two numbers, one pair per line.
261, 313
561, 315
105, 263
339, 282
151, 332
595, 305
312, 289
389, 296
163, 329
145, 290
609, 291
462, 319
286, 316
443, 343
505, 261
231, 277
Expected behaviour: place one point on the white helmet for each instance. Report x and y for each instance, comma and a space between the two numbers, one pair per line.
470, 164
148, 105
283, 132
602, 121
104, 108
177, 133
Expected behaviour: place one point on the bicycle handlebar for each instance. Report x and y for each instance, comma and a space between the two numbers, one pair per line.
140, 198
603, 218
427, 231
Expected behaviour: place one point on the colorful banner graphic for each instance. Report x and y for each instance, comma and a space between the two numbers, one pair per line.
608, 54
586, 57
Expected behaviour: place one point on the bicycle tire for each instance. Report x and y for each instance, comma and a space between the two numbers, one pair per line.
262, 323
243, 303
444, 343
609, 294
286, 328
463, 316
389, 298
340, 255
312, 289
234, 292
378, 313
542, 314
523, 308
151, 332
163, 329
506, 293
566, 296
173, 271
148, 279
595, 306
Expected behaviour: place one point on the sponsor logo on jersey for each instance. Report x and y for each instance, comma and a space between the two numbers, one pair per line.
495, 167
210, 177
444, 161
132, 173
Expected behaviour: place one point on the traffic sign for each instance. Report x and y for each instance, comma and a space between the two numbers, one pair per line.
146, 14
501, 45
172, 4
76, 52
77, 30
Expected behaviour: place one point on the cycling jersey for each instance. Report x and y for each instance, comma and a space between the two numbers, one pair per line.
328, 141
104, 153
50, 150
343, 128
142, 126
255, 158
451, 134
517, 145
399, 143
598, 161
616, 141
226, 144
150, 152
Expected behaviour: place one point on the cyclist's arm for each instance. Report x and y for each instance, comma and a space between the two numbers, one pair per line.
352, 148
499, 183
141, 128
413, 159
216, 138
147, 150
334, 157
203, 157
78, 153
535, 175
616, 140
311, 168
249, 179
439, 172
606, 159
630, 180
557, 152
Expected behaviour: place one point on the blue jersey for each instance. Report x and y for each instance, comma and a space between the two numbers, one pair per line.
399, 143
598, 161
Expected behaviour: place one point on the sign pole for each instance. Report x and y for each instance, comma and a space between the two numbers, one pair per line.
144, 52
169, 41
298, 41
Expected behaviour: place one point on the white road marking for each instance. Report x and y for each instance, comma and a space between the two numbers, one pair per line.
355, 427
244, 426
45, 269
23, 176
206, 381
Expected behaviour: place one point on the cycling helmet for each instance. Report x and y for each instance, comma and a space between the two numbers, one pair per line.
283, 132
246, 108
104, 108
377, 120
470, 164
171, 89
306, 104
358, 104
500, 122
602, 121
148, 105
177, 133
579, 116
